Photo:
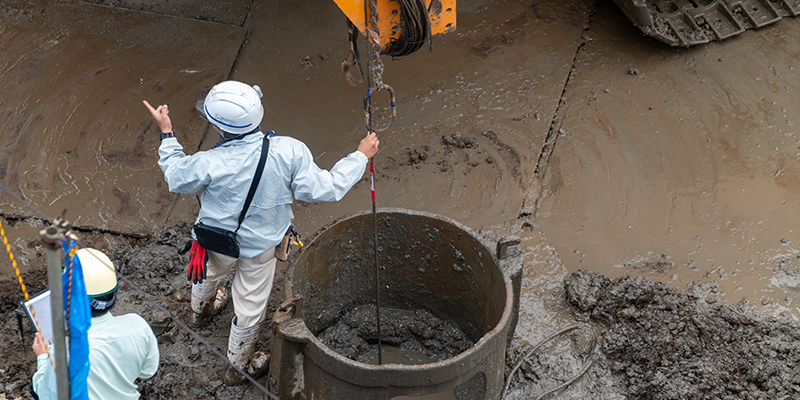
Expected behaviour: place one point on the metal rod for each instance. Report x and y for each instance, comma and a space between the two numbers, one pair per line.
371, 55
375, 252
52, 238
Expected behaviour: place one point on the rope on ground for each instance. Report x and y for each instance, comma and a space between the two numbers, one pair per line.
569, 381
142, 293
24, 290
69, 288
536, 347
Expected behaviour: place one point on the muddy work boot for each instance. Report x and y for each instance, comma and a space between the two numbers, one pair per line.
242, 354
207, 301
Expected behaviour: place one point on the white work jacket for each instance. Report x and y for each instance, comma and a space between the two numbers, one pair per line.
121, 349
225, 173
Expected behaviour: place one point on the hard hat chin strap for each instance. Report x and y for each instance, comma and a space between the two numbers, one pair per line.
102, 305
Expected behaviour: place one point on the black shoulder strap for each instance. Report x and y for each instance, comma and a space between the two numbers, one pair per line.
256, 178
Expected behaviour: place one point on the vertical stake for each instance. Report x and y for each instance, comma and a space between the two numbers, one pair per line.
375, 251
52, 238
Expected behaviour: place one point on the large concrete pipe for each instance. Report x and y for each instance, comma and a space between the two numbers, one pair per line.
426, 262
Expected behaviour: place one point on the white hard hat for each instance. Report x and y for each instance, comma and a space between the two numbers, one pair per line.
98, 272
234, 107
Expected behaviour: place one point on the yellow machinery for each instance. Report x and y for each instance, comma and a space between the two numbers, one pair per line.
397, 20
693, 22
675, 22
392, 27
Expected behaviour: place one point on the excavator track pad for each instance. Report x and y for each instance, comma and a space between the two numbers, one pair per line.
692, 22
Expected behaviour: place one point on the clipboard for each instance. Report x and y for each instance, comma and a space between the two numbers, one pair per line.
40, 303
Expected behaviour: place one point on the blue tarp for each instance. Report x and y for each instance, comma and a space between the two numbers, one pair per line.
80, 320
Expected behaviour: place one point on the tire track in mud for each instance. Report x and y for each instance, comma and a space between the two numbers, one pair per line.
530, 205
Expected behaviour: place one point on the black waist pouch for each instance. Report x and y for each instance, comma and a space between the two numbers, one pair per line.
217, 240
223, 241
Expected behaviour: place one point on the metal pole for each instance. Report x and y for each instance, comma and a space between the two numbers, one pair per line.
375, 252
52, 238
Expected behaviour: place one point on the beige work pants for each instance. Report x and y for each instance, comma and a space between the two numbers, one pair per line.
251, 285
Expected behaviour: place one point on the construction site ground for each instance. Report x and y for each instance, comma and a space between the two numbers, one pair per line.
555, 121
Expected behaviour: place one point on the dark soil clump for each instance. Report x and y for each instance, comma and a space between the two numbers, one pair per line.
355, 334
187, 370
669, 345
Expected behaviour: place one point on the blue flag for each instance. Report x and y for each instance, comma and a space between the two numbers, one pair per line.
80, 320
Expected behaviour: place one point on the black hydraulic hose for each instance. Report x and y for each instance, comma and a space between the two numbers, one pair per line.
416, 29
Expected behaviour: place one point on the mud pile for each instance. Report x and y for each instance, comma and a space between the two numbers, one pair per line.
355, 335
669, 345
187, 370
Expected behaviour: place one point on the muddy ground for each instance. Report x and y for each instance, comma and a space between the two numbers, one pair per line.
557, 121
645, 340
657, 342
672, 345
158, 268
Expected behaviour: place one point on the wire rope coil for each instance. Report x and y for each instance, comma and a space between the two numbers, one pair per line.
569, 381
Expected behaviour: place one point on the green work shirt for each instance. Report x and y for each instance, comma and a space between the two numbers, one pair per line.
121, 349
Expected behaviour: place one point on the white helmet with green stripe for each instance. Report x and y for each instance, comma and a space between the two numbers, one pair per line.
99, 276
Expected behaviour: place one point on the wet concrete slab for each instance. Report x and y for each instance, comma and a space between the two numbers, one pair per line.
495, 81
74, 132
681, 164
232, 12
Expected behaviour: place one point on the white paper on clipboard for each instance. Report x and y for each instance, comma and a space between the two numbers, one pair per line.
40, 304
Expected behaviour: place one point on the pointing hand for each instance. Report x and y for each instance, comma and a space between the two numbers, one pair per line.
161, 116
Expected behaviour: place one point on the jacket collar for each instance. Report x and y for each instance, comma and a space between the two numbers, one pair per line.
233, 139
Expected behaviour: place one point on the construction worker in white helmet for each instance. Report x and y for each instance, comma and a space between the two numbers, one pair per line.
121, 348
225, 174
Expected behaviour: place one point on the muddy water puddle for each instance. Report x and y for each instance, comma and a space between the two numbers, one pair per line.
73, 129
680, 165
496, 80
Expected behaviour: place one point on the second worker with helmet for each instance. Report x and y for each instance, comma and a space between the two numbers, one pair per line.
247, 231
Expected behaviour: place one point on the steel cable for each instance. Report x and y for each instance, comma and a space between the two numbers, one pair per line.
536, 347
374, 77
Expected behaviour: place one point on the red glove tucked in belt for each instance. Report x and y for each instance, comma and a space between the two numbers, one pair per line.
197, 263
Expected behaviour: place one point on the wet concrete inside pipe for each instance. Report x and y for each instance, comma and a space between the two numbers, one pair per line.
414, 332
426, 263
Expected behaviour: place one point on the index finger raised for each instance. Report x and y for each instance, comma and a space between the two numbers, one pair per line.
149, 107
